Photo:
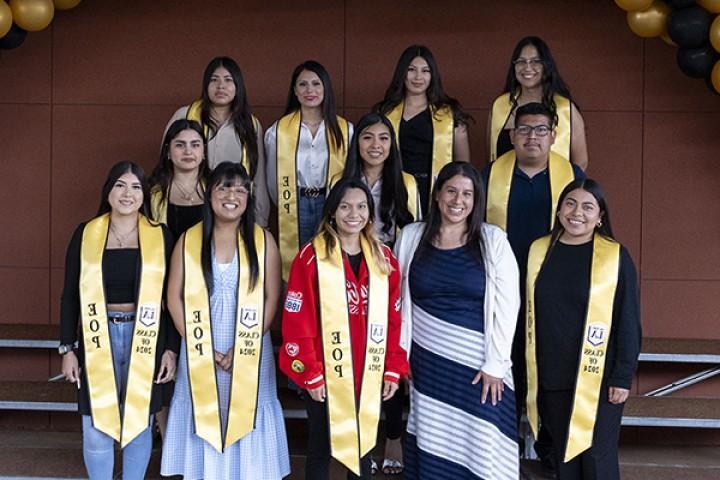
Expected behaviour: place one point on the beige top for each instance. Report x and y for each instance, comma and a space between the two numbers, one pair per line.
225, 146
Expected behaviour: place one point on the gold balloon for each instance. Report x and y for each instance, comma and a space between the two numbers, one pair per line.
634, 5
5, 18
651, 22
66, 4
32, 15
712, 6
715, 76
666, 38
715, 33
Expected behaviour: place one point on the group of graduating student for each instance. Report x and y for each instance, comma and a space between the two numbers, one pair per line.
505, 291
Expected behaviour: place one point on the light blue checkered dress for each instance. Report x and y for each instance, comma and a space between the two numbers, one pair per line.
261, 454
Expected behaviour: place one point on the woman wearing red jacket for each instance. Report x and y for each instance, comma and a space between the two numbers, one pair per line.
341, 331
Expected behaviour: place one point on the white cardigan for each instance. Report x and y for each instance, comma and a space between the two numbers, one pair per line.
502, 294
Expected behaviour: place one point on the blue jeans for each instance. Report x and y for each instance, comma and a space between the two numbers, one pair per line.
309, 215
98, 448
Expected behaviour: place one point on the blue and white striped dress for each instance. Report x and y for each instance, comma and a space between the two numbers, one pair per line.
451, 435
260, 455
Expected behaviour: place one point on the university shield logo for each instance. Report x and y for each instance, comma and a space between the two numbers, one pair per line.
147, 314
596, 334
249, 317
377, 332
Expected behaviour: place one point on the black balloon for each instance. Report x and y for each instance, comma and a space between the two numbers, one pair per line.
696, 62
678, 4
689, 27
13, 38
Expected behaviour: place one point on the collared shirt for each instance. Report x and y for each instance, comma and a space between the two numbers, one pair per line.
529, 210
312, 157
376, 191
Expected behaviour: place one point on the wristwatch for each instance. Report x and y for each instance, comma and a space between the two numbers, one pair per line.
65, 348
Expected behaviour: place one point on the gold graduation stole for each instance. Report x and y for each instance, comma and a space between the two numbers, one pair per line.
249, 323
158, 205
603, 283
353, 427
502, 108
287, 137
443, 134
194, 113
500, 180
412, 191
96, 336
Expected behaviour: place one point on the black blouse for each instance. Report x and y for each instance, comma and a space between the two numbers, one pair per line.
182, 217
416, 144
121, 272
504, 144
561, 302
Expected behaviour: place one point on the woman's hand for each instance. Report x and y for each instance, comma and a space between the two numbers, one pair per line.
389, 389
218, 357
618, 395
227, 360
317, 394
71, 367
491, 384
168, 364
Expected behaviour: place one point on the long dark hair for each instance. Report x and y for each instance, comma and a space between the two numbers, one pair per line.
117, 171
436, 95
163, 172
552, 82
240, 114
329, 110
328, 225
226, 174
594, 189
475, 241
393, 193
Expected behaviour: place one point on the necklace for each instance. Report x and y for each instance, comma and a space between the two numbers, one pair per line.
184, 194
312, 124
122, 239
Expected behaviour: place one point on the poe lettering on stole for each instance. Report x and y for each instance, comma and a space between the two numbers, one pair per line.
198, 333
286, 194
94, 324
337, 353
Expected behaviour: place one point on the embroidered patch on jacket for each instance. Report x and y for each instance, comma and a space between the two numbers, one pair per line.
293, 301
292, 349
297, 366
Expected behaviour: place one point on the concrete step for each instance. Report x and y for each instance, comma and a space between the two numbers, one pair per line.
40, 454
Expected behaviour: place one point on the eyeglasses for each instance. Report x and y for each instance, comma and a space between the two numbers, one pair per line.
224, 191
525, 130
534, 63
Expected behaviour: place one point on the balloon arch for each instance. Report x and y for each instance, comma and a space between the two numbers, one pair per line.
17, 17
691, 25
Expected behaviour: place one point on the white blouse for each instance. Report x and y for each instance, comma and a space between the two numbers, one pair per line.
312, 157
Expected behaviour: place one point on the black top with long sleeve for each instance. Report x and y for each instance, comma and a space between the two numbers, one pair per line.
121, 275
561, 300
